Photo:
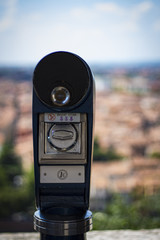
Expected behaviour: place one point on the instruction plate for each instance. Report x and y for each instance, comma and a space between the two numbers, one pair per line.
62, 117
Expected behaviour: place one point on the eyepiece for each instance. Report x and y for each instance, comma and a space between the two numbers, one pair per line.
60, 96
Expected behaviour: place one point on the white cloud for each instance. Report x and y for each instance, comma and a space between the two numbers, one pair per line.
140, 9
83, 13
144, 7
124, 19
35, 17
9, 7
156, 25
109, 7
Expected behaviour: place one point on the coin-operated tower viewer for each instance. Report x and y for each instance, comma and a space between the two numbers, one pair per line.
63, 110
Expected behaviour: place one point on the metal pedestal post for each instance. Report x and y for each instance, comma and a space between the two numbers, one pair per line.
61, 227
76, 237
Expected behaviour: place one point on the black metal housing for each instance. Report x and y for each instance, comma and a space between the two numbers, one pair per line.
68, 70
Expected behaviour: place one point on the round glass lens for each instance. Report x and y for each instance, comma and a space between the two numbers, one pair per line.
60, 96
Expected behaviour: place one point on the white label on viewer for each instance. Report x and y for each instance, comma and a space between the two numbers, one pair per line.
62, 117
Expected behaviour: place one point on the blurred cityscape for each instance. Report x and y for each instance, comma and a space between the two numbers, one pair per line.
127, 121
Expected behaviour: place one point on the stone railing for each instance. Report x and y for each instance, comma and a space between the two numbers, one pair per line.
95, 235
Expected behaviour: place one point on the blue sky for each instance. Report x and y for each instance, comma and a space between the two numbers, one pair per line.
99, 31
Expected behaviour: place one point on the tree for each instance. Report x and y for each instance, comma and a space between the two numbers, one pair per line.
10, 164
17, 187
100, 154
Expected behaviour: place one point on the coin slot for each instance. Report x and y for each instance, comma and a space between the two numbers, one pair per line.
62, 134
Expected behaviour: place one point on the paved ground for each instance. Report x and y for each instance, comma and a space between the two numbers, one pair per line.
95, 235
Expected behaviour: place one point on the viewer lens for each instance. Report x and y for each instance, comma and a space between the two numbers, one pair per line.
60, 96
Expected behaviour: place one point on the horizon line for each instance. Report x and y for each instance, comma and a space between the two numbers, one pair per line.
91, 63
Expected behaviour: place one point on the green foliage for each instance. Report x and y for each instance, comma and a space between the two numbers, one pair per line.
140, 213
155, 155
100, 154
29, 189
17, 187
10, 164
